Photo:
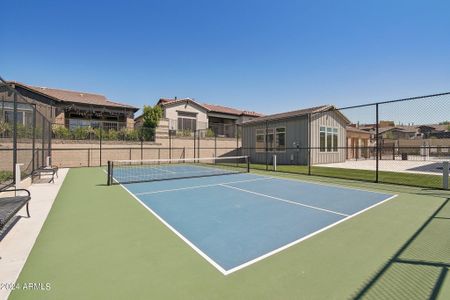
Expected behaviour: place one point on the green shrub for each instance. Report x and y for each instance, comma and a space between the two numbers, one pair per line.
112, 135
210, 133
128, 134
5, 176
80, 133
61, 132
184, 133
5, 129
24, 131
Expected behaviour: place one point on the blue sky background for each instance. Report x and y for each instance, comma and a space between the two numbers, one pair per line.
266, 56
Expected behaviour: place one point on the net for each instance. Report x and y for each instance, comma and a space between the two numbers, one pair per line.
131, 171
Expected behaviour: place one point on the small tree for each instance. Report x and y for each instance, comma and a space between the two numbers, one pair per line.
152, 115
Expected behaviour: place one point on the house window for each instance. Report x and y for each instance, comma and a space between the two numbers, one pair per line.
322, 139
187, 121
335, 139
23, 117
260, 140
328, 139
280, 139
270, 139
186, 124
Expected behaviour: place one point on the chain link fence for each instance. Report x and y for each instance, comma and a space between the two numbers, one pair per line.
25, 134
404, 141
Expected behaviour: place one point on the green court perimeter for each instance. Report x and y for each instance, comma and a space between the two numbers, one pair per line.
100, 243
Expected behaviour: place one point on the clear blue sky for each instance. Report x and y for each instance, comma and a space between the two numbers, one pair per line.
266, 56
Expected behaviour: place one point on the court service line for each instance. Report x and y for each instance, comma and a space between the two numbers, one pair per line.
285, 200
200, 186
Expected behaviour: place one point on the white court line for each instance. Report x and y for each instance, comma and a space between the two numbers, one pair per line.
200, 186
202, 254
337, 185
303, 238
237, 268
285, 200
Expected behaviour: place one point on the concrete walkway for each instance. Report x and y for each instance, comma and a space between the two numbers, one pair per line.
16, 245
403, 166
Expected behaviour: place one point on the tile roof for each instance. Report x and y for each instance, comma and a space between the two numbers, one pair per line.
354, 129
75, 96
212, 107
295, 113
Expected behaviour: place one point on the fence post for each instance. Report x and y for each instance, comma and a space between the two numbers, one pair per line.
236, 131
34, 138
142, 143
309, 144
198, 144
377, 135
89, 157
15, 138
267, 147
215, 144
195, 138
170, 146
101, 136
43, 141
49, 153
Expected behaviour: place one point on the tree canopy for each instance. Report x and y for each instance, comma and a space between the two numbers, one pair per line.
152, 115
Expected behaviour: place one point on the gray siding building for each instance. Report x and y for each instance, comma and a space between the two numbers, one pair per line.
289, 135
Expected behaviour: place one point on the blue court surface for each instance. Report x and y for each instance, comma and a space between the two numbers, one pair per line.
236, 220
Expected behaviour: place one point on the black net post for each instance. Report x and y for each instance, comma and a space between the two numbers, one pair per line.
110, 172
248, 163
108, 181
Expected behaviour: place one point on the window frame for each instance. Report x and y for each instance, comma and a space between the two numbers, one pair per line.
271, 146
186, 115
277, 146
330, 132
263, 134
